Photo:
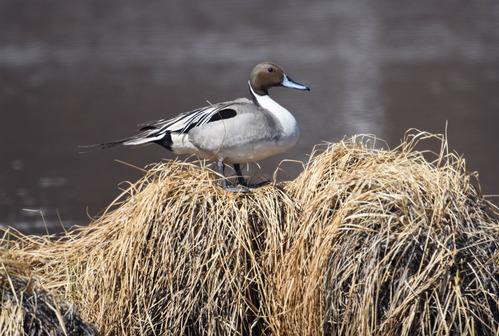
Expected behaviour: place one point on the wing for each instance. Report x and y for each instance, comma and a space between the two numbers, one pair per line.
188, 120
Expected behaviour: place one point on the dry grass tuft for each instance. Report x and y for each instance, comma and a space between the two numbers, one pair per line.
177, 256
389, 244
365, 241
29, 309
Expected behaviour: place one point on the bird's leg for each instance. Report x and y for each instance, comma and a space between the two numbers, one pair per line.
221, 169
240, 177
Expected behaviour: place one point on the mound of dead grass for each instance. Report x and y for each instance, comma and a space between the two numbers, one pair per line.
389, 243
365, 241
29, 309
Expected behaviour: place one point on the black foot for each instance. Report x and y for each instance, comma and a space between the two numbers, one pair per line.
238, 189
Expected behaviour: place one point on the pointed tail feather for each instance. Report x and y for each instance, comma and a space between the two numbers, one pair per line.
91, 148
141, 139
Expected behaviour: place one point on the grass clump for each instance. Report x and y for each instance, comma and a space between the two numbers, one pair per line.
177, 255
29, 309
366, 241
390, 243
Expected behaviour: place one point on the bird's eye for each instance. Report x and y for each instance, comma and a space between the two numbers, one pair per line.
270, 69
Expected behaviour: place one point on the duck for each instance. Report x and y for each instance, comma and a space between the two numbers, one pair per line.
233, 132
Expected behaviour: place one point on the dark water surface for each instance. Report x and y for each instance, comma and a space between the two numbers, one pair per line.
75, 73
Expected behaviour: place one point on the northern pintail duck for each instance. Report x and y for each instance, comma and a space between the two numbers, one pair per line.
232, 132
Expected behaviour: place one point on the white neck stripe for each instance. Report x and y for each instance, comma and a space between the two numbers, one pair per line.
285, 118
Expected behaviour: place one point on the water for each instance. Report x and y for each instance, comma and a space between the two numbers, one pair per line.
76, 73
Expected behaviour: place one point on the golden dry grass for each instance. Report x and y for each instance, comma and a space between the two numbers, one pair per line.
366, 241
30, 309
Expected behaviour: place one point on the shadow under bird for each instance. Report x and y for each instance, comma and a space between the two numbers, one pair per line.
232, 132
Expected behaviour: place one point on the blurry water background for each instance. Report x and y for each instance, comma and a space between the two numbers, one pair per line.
75, 73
